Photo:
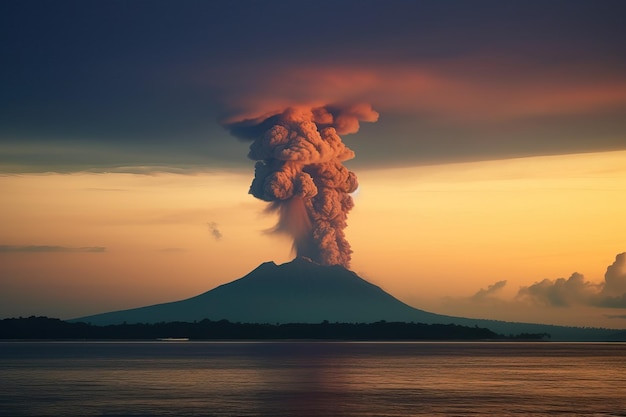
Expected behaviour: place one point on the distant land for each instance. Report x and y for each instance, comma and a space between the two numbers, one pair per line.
302, 291
49, 328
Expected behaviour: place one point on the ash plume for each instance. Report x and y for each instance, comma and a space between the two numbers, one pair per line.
299, 172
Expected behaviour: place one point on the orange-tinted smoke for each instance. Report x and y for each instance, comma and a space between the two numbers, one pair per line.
299, 170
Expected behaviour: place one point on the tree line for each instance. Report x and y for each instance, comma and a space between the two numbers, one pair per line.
53, 328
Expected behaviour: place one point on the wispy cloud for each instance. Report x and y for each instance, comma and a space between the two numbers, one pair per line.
615, 316
491, 290
173, 250
50, 248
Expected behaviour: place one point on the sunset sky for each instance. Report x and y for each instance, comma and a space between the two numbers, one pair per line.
493, 184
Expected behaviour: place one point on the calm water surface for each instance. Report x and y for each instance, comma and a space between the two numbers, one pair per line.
311, 379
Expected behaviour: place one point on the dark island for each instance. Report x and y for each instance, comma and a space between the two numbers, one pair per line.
52, 328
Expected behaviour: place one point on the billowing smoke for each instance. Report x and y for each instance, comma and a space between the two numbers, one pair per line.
299, 172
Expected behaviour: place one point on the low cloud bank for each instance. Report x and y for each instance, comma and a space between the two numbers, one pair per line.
577, 291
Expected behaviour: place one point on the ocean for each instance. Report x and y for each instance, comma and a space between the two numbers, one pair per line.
311, 378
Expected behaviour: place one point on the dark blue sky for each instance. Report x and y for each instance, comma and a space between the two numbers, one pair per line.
103, 84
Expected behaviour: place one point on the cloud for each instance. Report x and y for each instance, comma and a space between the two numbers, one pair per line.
577, 291
483, 298
488, 89
616, 316
612, 302
615, 277
46, 248
443, 82
173, 250
563, 300
488, 293
560, 292
215, 231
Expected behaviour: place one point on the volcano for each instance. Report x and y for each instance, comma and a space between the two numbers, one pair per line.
302, 291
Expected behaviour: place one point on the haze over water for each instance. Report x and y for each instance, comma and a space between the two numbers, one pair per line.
311, 378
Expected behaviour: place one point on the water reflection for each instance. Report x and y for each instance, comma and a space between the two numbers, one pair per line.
311, 379
302, 379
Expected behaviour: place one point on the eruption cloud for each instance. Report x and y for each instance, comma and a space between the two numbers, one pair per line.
299, 172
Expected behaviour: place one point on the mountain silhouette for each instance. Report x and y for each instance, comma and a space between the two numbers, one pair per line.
299, 291
302, 291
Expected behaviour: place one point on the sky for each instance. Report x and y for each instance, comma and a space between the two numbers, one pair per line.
491, 185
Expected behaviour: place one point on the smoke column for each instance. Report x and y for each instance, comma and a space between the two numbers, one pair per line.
299, 172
